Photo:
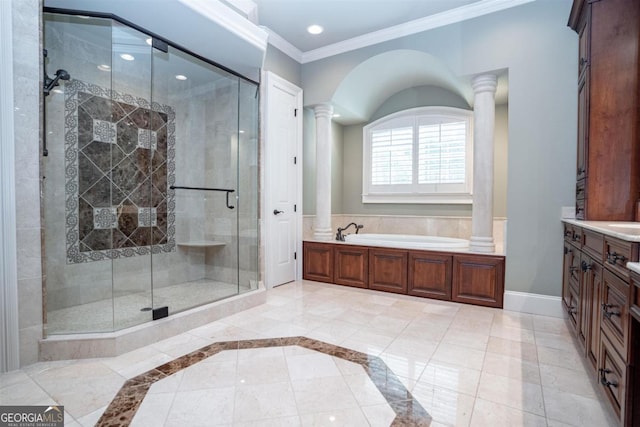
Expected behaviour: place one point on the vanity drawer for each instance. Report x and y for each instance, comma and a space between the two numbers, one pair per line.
576, 236
593, 244
614, 311
617, 253
612, 376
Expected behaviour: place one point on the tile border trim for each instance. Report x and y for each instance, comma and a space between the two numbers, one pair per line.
409, 412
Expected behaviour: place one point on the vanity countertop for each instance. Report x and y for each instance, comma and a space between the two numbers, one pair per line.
629, 231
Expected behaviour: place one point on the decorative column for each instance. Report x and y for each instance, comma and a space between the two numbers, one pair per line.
322, 230
484, 112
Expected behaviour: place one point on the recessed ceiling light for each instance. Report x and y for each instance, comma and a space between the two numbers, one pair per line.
127, 57
181, 77
315, 29
149, 41
104, 67
241, 131
336, 115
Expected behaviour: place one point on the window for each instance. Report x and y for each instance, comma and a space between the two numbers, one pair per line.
422, 155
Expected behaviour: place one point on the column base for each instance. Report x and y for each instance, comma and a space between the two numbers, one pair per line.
482, 244
324, 234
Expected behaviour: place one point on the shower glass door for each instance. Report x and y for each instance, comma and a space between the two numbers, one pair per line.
131, 176
199, 103
150, 185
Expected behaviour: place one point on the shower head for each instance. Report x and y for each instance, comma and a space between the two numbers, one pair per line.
63, 75
50, 83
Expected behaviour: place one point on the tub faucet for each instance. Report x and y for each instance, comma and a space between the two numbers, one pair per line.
340, 236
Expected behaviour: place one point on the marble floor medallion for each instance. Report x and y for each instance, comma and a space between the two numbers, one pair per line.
409, 412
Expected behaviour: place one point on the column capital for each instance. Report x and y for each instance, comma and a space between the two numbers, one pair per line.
323, 110
484, 83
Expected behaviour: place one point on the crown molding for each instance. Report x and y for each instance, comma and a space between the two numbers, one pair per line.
483, 7
227, 18
277, 41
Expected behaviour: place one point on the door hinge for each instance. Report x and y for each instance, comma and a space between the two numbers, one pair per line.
295, 160
295, 112
295, 208
295, 255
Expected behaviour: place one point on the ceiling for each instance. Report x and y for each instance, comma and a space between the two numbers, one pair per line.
343, 19
353, 24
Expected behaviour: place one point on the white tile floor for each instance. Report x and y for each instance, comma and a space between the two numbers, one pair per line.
466, 365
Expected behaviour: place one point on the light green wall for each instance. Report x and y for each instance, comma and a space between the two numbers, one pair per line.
282, 65
534, 43
422, 96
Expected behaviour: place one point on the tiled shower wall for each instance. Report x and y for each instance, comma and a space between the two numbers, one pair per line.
202, 144
27, 97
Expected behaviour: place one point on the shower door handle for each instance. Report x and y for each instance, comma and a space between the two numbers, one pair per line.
277, 212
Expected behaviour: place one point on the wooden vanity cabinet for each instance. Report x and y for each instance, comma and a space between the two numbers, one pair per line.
430, 275
317, 262
600, 304
608, 154
351, 266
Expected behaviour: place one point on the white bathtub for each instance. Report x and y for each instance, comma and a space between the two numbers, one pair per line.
407, 241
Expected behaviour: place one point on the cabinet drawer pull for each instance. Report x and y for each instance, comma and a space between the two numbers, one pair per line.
583, 62
585, 266
613, 257
573, 310
567, 250
576, 237
567, 233
605, 310
603, 378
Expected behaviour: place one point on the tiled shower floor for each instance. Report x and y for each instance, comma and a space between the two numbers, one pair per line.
124, 311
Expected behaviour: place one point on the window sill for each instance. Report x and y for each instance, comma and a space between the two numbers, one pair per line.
431, 199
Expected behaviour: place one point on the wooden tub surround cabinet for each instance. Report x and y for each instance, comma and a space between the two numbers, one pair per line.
451, 276
600, 296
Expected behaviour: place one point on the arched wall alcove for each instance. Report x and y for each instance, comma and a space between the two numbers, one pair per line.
369, 84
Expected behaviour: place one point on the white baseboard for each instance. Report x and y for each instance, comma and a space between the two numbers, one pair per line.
524, 302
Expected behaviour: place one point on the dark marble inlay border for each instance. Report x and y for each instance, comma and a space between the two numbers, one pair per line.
409, 412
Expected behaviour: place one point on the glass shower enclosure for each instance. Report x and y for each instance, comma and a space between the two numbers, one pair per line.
149, 177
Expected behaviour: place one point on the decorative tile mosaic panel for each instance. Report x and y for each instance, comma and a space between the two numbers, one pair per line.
119, 164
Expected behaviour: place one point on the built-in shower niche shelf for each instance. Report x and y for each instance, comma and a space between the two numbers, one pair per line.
201, 244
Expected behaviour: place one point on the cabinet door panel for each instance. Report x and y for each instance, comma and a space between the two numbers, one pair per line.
430, 275
317, 262
478, 280
351, 266
388, 270
614, 314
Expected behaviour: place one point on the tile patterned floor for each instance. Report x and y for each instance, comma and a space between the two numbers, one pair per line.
464, 365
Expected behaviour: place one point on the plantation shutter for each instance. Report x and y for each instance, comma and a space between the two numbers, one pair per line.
441, 153
392, 156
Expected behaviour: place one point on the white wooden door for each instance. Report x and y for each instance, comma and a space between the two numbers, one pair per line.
283, 180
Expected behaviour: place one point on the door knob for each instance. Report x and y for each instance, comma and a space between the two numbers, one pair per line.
277, 212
